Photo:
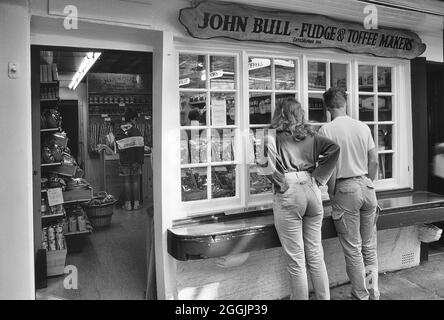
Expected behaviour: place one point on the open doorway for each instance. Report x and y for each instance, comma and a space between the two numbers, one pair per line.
80, 102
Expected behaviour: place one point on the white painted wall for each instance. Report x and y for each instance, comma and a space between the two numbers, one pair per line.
16, 223
163, 15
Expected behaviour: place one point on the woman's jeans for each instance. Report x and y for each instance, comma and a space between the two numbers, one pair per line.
355, 215
298, 215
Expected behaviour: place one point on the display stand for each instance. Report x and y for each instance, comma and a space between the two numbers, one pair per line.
56, 235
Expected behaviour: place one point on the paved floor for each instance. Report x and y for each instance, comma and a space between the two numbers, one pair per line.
112, 263
424, 282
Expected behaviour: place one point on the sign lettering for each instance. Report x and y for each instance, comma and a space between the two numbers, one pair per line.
210, 20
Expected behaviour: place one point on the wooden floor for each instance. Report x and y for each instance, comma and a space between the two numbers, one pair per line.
112, 264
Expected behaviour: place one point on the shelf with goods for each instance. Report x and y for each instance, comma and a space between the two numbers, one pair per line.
58, 171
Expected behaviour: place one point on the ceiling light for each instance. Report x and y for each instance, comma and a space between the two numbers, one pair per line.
87, 62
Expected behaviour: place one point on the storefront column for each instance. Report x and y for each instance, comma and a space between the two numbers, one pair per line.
165, 168
16, 222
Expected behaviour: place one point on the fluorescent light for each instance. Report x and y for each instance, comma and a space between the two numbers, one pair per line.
88, 60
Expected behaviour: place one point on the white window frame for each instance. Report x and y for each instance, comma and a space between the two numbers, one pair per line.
201, 206
402, 128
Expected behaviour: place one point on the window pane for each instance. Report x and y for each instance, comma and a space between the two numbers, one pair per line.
316, 110
260, 108
222, 145
194, 184
338, 75
384, 108
384, 137
366, 108
223, 181
285, 74
366, 78
191, 71
317, 76
223, 109
193, 109
259, 183
193, 146
259, 73
386, 166
257, 156
222, 73
384, 79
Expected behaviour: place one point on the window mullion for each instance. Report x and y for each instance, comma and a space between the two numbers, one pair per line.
209, 136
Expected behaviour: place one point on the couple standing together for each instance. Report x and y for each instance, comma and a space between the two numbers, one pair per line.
343, 156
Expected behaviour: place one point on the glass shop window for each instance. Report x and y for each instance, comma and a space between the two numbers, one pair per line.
376, 98
209, 126
321, 76
270, 81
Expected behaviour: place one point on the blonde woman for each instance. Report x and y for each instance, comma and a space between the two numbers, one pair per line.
301, 160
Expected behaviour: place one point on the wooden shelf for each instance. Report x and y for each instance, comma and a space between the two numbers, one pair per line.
77, 233
74, 201
50, 100
50, 82
50, 130
117, 103
124, 93
53, 216
53, 164
115, 115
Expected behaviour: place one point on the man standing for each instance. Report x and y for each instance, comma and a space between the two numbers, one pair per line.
353, 195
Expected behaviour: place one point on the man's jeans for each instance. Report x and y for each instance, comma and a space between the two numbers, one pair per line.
298, 215
355, 214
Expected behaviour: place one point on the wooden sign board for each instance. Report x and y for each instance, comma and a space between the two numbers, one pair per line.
210, 20
118, 83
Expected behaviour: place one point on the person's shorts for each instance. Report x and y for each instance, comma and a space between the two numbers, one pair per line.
133, 169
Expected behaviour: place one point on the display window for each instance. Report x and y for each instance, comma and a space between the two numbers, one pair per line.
376, 96
209, 123
220, 149
271, 79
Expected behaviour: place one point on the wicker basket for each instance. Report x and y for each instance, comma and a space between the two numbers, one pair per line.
100, 216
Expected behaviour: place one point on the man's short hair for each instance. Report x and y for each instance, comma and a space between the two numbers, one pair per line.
130, 114
335, 98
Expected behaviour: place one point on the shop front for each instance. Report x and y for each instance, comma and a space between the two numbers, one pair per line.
223, 238
218, 71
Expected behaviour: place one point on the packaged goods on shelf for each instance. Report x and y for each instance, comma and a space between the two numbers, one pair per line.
48, 73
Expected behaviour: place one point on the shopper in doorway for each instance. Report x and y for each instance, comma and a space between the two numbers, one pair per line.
353, 195
131, 149
300, 160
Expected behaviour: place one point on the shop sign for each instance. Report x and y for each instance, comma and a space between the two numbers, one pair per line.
210, 20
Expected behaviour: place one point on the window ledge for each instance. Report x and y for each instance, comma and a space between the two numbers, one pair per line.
220, 235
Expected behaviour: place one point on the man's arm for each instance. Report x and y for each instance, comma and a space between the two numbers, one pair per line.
372, 163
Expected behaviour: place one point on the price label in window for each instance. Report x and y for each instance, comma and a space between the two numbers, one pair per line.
55, 196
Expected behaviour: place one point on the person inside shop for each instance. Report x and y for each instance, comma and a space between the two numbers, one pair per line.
130, 145
298, 162
353, 196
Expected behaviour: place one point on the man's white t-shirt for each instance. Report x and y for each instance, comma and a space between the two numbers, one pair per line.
355, 140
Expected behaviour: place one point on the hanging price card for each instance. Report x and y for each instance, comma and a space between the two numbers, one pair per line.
55, 196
